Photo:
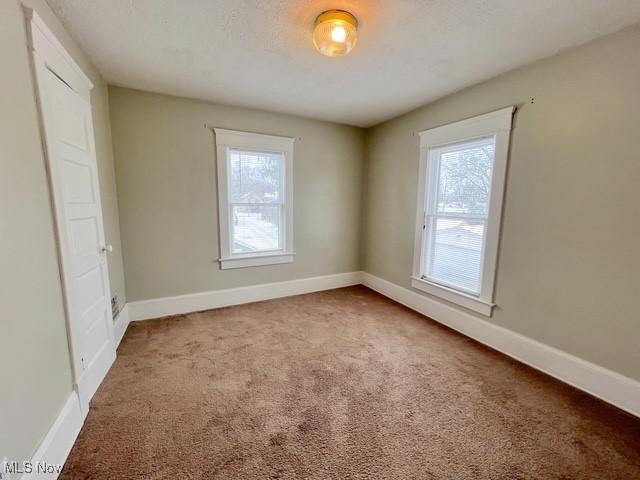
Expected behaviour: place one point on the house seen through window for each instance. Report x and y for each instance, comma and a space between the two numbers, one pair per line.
460, 180
257, 200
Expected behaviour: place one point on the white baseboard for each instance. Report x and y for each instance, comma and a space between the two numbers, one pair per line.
621, 391
57, 444
161, 307
121, 323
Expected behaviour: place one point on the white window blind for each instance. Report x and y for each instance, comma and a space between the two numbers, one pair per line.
256, 186
457, 210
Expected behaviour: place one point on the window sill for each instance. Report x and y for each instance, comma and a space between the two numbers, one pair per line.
255, 260
453, 296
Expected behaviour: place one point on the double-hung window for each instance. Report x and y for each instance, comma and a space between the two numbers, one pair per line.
255, 194
462, 174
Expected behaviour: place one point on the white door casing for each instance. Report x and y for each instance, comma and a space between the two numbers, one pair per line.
63, 93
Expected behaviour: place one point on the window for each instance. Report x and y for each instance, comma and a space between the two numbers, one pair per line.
462, 171
255, 191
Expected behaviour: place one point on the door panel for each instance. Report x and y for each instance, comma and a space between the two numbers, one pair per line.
84, 234
89, 289
77, 182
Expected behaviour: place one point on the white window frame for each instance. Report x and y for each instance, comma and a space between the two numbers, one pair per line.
497, 124
227, 140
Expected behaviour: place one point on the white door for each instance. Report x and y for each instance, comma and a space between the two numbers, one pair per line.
74, 178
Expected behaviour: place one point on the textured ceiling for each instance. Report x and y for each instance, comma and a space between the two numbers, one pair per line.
260, 54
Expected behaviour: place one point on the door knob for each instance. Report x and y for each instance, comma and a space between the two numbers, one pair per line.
107, 248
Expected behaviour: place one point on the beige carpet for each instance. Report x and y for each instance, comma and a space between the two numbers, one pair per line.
336, 385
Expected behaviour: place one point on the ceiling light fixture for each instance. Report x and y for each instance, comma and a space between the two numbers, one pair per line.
335, 33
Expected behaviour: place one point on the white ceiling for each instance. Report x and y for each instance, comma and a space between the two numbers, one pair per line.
259, 53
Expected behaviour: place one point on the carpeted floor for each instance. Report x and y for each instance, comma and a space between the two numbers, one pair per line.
343, 384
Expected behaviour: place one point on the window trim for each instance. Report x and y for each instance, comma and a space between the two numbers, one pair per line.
234, 139
498, 124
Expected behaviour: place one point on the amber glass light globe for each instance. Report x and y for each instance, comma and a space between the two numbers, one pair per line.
335, 33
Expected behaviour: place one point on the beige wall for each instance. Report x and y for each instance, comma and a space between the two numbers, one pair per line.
35, 369
569, 258
165, 164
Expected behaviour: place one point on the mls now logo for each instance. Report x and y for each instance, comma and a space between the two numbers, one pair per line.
18, 468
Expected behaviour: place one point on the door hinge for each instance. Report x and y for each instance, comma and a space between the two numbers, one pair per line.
82, 363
